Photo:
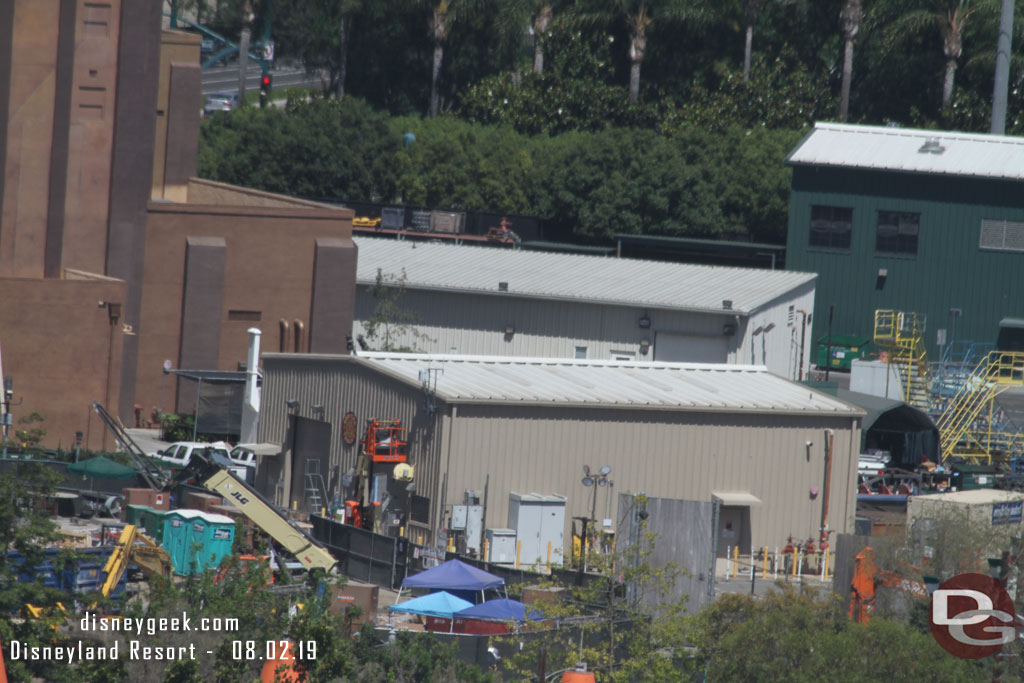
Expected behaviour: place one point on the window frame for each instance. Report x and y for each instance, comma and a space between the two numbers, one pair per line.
830, 232
899, 250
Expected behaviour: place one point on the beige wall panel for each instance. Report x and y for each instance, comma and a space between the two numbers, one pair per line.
672, 455
340, 386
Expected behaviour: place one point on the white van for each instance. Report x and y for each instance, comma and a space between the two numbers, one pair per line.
180, 453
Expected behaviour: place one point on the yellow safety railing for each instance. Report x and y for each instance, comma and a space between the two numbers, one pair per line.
967, 428
901, 334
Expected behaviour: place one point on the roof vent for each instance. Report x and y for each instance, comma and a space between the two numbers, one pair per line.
502, 286
727, 304
932, 146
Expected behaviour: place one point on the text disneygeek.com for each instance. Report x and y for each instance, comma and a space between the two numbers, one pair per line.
79, 650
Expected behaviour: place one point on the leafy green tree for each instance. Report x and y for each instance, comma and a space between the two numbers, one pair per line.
791, 635
32, 432
318, 32
25, 534
323, 148
391, 327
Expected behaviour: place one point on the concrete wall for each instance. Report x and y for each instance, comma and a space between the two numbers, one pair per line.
60, 347
266, 274
475, 324
178, 104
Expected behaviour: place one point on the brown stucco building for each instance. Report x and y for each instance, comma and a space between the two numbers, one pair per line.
113, 257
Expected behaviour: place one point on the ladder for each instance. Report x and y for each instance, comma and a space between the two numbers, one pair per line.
316, 491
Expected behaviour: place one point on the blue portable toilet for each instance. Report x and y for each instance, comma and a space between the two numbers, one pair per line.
197, 540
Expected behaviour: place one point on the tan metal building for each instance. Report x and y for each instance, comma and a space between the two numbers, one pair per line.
738, 433
476, 300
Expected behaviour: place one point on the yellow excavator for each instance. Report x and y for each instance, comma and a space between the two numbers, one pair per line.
136, 548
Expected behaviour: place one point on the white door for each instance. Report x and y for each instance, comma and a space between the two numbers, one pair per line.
690, 348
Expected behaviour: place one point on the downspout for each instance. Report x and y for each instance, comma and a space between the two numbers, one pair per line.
829, 442
851, 488
442, 503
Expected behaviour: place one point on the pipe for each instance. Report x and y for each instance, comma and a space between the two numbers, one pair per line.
829, 437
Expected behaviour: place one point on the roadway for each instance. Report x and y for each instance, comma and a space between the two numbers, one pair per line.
285, 75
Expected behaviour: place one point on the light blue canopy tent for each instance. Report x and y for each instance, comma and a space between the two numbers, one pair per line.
442, 604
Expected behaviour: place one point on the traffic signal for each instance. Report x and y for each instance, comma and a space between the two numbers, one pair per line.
264, 90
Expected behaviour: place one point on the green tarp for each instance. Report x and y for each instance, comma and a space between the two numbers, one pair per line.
101, 468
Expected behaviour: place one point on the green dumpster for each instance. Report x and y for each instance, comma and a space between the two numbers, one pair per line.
152, 523
845, 349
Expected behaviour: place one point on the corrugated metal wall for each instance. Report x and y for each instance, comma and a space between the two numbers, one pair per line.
949, 270
664, 454
473, 324
525, 449
340, 384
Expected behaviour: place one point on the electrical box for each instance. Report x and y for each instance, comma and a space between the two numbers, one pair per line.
501, 546
474, 528
459, 514
539, 523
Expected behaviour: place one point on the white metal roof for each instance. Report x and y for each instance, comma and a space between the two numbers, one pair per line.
574, 277
903, 149
607, 384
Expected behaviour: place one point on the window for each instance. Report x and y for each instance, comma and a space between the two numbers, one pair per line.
251, 316
897, 232
831, 227
1001, 235
580, 353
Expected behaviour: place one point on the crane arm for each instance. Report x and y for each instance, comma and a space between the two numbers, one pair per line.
296, 541
156, 477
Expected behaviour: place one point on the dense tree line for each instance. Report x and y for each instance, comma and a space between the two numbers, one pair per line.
617, 180
669, 117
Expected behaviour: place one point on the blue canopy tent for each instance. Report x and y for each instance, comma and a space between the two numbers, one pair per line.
501, 609
442, 604
458, 578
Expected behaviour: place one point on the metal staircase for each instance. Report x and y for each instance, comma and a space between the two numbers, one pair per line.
971, 426
901, 335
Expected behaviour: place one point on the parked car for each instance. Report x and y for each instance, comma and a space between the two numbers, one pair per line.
180, 453
221, 101
245, 456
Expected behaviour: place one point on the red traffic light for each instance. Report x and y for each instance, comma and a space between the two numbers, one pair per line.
266, 81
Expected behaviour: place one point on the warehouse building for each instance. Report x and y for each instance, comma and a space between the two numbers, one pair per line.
473, 300
914, 220
739, 434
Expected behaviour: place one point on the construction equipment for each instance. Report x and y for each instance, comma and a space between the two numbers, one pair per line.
212, 473
868, 578
134, 548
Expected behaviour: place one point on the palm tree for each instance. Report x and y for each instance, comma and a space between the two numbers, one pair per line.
443, 14
641, 16
951, 19
538, 14
849, 21
751, 8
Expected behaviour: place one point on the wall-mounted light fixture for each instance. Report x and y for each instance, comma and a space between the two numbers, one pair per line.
645, 346
883, 273
318, 412
510, 330
729, 329
292, 403
644, 322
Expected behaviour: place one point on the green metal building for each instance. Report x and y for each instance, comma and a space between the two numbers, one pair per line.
913, 220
